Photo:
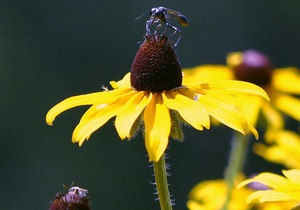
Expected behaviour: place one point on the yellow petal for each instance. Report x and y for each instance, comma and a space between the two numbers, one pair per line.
93, 110
206, 73
124, 83
250, 106
232, 87
289, 105
80, 100
234, 59
287, 80
273, 196
224, 113
293, 175
157, 127
284, 149
91, 122
191, 111
130, 111
271, 180
273, 117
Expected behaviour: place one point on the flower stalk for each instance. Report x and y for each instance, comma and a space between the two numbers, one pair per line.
236, 162
162, 184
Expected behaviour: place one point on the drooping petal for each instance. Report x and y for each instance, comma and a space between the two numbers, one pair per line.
287, 80
226, 114
157, 127
189, 109
288, 104
249, 106
206, 73
90, 123
130, 112
230, 87
81, 100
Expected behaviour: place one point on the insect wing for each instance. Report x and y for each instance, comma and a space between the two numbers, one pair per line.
182, 20
173, 12
180, 17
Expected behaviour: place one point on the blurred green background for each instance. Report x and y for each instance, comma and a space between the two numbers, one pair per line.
54, 49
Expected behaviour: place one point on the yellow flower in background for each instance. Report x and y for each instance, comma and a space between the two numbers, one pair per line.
284, 148
252, 66
154, 95
285, 189
211, 195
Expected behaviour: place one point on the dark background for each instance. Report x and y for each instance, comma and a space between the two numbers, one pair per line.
50, 50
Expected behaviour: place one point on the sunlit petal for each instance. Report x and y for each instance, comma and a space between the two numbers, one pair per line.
93, 110
80, 100
251, 109
157, 127
90, 123
224, 113
231, 87
191, 111
130, 111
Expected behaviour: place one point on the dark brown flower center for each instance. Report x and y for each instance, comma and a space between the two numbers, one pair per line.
255, 67
155, 67
70, 201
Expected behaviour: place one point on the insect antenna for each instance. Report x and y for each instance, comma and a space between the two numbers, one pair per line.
141, 15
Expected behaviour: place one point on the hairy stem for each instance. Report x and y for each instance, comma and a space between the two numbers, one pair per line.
162, 184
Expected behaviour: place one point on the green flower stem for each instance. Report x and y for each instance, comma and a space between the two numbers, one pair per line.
162, 184
236, 162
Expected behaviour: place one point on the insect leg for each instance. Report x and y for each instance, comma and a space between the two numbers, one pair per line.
148, 24
175, 31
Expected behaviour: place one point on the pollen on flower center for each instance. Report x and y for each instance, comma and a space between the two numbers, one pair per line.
155, 67
251, 66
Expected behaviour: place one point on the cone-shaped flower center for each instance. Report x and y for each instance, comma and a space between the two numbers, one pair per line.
155, 67
252, 66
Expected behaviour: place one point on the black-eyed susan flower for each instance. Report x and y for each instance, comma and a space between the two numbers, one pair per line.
153, 93
282, 189
255, 67
211, 195
283, 148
